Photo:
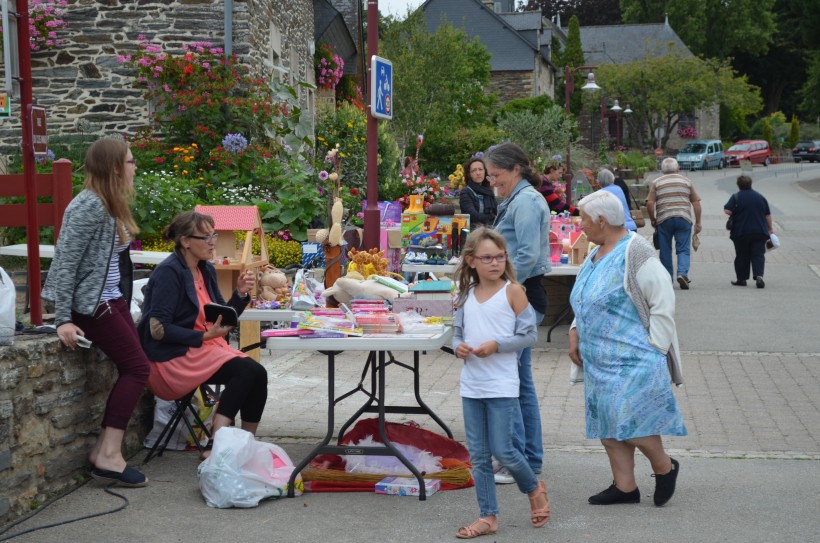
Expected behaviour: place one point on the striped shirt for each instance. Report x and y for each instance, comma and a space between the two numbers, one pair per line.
111, 289
674, 195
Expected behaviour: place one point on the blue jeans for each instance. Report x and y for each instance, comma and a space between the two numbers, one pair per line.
527, 428
489, 429
681, 231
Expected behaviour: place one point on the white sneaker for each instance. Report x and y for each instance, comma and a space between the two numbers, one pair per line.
503, 477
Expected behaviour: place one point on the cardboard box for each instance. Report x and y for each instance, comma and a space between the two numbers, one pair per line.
394, 238
416, 227
406, 486
425, 308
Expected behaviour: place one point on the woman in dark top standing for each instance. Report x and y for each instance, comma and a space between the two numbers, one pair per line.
477, 198
751, 227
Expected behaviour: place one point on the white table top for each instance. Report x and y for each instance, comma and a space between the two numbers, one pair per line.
559, 269
428, 268
47, 251
398, 342
268, 315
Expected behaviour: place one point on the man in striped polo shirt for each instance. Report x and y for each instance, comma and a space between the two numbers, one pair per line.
671, 200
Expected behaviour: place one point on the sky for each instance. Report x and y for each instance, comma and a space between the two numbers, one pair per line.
397, 8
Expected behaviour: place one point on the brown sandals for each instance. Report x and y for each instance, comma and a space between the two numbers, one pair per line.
539, 516
480, 527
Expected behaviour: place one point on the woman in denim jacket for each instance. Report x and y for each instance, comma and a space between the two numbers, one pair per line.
524, 221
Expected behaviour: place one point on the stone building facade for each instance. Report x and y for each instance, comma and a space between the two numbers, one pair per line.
81, 82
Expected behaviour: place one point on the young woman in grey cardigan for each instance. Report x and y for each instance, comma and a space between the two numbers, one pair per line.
90, 284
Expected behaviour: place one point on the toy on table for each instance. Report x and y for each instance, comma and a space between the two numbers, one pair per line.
273, 285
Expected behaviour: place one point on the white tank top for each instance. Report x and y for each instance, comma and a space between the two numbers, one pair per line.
495, 376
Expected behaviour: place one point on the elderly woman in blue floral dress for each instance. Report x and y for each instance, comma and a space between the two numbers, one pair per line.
624, 339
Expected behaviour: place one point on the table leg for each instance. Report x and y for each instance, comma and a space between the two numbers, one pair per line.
383, 432
370, 365
561, 316
331, 405
416, 391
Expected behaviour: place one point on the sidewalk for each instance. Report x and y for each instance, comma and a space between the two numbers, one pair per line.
748, 468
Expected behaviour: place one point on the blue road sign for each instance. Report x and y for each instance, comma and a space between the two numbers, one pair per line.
381, 87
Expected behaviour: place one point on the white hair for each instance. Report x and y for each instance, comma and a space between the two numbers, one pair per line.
605, 177
604, 204
670, 165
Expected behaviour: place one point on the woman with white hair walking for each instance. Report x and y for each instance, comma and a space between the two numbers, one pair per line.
624, 339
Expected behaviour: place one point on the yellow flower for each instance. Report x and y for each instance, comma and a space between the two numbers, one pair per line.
184, 172
342, 155
355, 139
193, 145
350, 124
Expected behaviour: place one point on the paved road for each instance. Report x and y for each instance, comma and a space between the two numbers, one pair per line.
749, 466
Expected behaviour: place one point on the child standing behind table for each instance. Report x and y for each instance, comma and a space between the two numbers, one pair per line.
493, 323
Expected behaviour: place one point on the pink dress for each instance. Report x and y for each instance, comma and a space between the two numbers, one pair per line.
174, 378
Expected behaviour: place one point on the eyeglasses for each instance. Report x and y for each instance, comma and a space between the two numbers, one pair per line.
132, 161
212, 237
487, 259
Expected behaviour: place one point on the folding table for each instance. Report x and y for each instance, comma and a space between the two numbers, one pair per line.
379, 355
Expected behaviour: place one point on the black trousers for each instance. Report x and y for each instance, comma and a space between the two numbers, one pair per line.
246, 388
750, 250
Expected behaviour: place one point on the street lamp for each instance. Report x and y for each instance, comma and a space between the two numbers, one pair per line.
618, 110
569, 88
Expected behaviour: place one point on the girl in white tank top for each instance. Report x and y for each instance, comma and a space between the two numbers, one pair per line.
493, 323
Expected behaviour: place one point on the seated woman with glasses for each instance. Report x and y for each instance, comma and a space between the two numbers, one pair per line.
185, 351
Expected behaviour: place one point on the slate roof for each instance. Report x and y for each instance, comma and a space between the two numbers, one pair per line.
329, 27
620, 44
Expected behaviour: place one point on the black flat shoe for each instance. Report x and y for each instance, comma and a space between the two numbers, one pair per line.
129, 477
739, 283
759, 282
665, 484
613, 495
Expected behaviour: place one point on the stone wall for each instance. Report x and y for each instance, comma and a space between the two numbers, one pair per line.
511, 85
51, 405
81, 83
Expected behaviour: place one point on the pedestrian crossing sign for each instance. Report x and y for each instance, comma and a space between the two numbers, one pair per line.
381, 87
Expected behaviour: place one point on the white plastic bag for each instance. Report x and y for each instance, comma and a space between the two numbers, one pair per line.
241, 471
8, 317
773, 243
163, 411
303, 296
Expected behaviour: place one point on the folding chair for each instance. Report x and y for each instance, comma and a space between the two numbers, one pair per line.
183, 404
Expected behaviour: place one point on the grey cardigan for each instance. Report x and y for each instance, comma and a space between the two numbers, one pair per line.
81, 259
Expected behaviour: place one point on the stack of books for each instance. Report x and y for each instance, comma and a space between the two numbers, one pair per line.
378, 323
433, 290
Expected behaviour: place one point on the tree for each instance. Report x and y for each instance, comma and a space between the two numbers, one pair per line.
439, 81
794, 133
810, 92
589, 12
767, 131
711, 28
573, 56
660, 89
538, 133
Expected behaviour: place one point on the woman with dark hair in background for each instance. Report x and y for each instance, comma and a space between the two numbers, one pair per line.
185, 351
477, 198
552, 174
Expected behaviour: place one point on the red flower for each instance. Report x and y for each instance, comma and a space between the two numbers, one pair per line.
354, 192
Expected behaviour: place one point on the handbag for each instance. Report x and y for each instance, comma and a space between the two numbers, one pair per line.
730, 222
655, 241
637, 216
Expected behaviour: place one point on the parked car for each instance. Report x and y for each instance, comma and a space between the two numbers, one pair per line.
755, 151
701, 155
807, 150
